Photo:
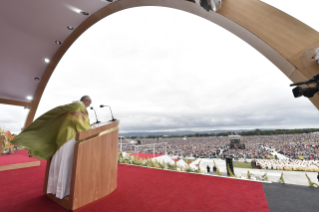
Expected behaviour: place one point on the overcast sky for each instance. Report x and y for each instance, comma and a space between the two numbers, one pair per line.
162, 69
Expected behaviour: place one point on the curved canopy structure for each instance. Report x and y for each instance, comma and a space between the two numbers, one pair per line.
35, 36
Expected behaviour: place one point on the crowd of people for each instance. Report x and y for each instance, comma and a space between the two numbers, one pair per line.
289, 164
293, 146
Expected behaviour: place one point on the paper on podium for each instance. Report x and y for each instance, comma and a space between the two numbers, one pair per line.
100, 124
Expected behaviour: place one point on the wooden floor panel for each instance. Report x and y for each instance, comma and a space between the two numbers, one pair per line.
19, 165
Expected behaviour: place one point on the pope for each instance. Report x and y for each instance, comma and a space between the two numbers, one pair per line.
54, 128
53, 135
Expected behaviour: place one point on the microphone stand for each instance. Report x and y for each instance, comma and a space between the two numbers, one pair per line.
97, 121
113, 119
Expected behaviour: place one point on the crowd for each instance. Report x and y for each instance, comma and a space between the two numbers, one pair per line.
289, 164
293, 146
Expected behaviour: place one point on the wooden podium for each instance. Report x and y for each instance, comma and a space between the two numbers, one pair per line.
1, 143
94, 173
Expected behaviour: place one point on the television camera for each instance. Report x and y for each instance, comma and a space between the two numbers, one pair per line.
307, 92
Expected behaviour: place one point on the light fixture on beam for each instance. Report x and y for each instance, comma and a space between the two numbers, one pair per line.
85, 13
57, 42
70, 27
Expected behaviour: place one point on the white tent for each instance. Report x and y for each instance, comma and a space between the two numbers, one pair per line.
164, 159
181, 163
133, 142
193, 166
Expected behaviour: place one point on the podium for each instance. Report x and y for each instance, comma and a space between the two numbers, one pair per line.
94, 171
1, 143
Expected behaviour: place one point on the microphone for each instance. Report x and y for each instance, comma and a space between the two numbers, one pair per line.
113, 119
97, 121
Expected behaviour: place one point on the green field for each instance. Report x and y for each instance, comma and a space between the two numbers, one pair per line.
242, 165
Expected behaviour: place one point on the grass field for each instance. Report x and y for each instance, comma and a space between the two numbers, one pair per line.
242, 165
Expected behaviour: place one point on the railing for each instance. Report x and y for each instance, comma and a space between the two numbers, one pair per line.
146, 148
150, 147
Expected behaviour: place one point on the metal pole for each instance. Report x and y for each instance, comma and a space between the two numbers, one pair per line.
166, 149
135, 147
121, 143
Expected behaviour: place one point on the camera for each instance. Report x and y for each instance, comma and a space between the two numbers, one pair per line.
307, 92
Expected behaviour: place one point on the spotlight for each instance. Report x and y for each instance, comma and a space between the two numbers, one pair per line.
58, 42
85, 13
37, 79
109, 0
46, 60
29, 97
70, 27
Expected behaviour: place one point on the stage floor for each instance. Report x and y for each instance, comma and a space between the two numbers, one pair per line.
145, 189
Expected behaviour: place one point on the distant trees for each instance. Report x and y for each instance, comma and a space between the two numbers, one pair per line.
279, 131
244, 133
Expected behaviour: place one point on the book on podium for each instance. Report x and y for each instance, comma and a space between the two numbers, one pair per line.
94, 170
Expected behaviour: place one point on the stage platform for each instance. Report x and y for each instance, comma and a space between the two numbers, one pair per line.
17, 160
147, 189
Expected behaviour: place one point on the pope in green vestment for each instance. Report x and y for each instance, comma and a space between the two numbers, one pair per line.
54, 128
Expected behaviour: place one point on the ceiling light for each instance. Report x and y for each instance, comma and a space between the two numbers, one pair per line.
29, 97
37, 79
77, 10
46, 60
58, 42
70, 27
109, 0
85, 13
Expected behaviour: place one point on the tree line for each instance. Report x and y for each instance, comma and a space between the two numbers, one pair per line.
243, 133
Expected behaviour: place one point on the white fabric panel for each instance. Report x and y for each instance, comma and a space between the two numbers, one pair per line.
59, 181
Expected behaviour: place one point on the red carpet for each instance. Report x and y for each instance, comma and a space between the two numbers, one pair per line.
139, 189
145, 155
22, 152
14, 159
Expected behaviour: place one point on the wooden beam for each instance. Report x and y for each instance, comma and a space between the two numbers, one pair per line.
15, 102
19, 165
278, 36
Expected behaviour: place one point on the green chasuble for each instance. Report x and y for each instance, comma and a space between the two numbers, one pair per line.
54, 128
